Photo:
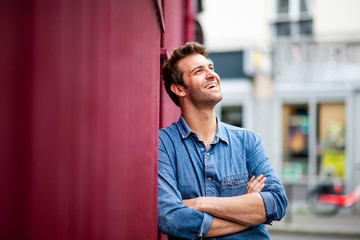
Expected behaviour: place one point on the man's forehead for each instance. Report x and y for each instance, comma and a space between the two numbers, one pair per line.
194, 60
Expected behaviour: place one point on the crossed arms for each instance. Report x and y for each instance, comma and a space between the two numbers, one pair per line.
216, 216
233, 214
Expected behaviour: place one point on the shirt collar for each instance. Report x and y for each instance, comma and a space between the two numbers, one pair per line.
221, 131
185, 130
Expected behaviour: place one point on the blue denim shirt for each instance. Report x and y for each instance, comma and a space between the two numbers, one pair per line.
188, 170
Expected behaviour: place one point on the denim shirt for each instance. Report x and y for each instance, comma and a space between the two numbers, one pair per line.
188, 170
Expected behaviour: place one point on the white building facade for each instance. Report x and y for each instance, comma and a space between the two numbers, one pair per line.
301, 90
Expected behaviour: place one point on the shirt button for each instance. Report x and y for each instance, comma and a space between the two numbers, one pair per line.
208, 154
209, 178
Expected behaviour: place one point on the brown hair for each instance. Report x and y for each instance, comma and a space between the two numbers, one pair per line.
171, 74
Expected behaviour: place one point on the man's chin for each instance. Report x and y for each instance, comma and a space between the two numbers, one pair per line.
220, 97
218, 100
215, 101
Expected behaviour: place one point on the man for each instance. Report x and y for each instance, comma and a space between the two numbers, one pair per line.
215, 180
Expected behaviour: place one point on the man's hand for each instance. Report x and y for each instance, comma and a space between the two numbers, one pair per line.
194, 203
256, 184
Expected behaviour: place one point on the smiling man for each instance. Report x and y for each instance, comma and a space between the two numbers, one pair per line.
215, 180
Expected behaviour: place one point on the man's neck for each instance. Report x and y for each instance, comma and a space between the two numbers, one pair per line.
203, 123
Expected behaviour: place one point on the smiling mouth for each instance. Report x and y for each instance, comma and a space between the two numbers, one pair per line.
210, 86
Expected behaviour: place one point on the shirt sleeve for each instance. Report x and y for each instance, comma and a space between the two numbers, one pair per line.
273, 194
174, 218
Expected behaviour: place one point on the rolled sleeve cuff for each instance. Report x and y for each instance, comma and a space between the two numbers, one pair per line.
270, 207
205, 225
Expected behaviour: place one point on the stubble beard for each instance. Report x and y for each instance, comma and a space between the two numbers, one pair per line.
203, 100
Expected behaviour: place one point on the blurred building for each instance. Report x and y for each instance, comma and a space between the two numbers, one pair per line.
297, 82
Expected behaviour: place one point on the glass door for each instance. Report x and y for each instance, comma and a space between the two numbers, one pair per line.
295, 151
331, 137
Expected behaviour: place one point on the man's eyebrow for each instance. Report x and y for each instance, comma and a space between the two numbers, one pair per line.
197, 67
201, 66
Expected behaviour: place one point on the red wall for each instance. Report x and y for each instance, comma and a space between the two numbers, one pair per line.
15, 122
173, 36
80, 110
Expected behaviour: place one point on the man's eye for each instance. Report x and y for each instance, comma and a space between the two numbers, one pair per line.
197, 71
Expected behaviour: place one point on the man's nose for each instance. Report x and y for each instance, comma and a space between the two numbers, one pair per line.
210, 73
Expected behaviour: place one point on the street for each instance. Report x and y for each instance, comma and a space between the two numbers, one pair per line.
287, 236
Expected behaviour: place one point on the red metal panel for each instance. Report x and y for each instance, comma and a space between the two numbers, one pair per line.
179, 28
190, 18
83, 162
15, 102
174, 13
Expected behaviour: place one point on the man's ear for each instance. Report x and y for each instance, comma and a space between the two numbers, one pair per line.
178, 89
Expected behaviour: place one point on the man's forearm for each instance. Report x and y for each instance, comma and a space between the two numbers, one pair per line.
248, 209
222, 227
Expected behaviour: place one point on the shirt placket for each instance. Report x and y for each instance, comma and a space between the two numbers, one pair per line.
209, 163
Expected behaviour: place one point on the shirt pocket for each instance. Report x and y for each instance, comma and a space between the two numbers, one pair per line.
234, 185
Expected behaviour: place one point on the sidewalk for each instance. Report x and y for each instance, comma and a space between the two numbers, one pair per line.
300, 220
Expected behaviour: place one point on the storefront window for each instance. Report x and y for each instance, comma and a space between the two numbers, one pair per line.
331, 139
295, 142
232, 115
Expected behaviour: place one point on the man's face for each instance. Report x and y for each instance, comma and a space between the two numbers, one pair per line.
201, 81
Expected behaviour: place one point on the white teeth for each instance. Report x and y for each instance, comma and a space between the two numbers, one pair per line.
211, 85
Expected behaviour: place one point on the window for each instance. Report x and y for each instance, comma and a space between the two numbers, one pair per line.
305, 27
295, 22
282, 6
295, 142
331, 139
283, 28
330, 147
229, 64
232, 115
304, 6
